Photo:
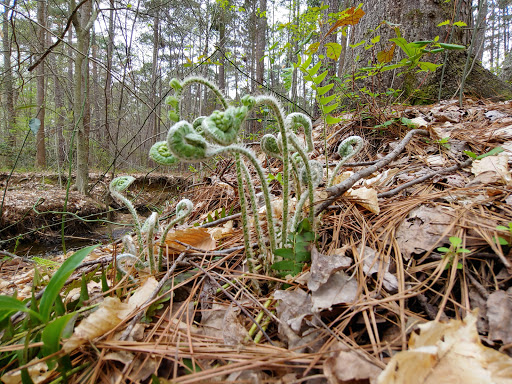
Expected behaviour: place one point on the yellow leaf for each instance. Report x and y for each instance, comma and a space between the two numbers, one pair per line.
386, 56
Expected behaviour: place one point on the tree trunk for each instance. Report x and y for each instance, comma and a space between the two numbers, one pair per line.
153, 121
108, 79
261, 41
41, 80
8, 91
418, 20
81, 110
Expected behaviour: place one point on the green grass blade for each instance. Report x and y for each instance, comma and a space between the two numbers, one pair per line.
59, 278
9, 305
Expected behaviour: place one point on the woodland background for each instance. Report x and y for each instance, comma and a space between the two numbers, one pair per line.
95, 73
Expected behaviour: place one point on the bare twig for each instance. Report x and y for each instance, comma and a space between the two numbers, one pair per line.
336, 191
425, 177
59, 39
220, 221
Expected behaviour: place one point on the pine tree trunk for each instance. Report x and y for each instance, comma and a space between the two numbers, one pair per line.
41, 80
10, 116
418, 20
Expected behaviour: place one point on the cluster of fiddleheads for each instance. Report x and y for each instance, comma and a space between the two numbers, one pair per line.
218, 134
131, 253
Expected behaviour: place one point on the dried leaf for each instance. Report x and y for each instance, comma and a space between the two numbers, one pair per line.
110, 313
499, 315
219, 233
367, 197
496, 164
422, 229
38, 373
348, 366
323, 266
373, 264
293, 308
445, 354
196, 237
340, 288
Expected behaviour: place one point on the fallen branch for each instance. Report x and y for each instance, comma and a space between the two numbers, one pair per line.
394, 191
336, 191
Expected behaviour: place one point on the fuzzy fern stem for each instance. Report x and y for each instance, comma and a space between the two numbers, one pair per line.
183, 209
149, 229
245, 218
309, 177
254, 206
264, 185
279, 114
118, 185
348, 148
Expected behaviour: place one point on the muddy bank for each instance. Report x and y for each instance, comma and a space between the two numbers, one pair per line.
34, 203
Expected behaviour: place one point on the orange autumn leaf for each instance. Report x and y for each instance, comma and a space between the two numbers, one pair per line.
386, 56
196, 237
350, 16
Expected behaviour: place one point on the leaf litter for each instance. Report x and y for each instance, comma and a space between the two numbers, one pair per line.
379, 302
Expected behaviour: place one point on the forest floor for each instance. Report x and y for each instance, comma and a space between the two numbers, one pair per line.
408, 283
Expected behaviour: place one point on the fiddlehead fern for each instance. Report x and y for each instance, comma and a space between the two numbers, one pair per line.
296, 119
160, 154
186, 144
347, 149
269, 145
118, 185
279, 115
183, 209
222, 127
178, 89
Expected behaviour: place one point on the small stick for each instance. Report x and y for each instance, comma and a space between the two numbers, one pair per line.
336, 191
394, 191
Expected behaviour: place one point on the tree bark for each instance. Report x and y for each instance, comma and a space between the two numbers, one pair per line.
81, 109
8, 90
418, 20
261, 41
41, 80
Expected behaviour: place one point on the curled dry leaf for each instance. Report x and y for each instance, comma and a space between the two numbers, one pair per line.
38, 372
499, 315
219, 233
348, 366
196, 237
323, 266
110, 313
446, 353
367, 197
496, 165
